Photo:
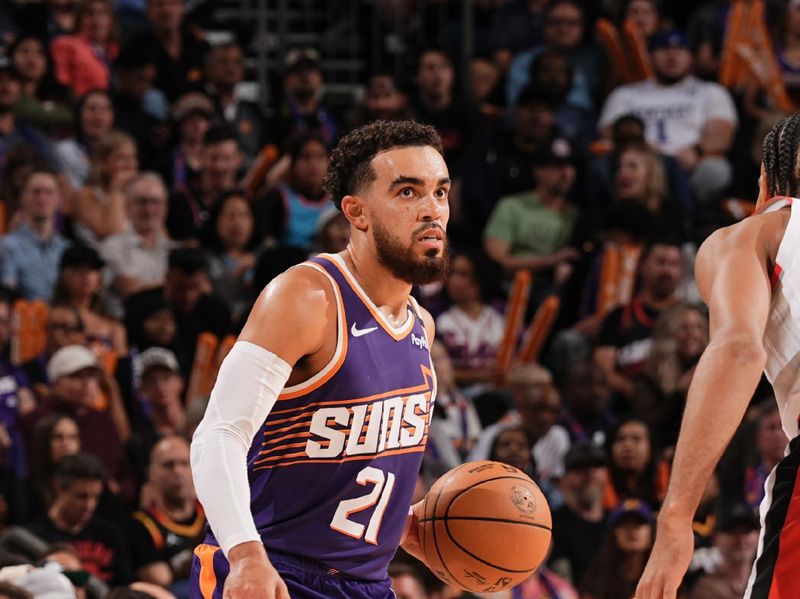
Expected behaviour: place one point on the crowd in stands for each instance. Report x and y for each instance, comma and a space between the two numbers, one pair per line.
146, 200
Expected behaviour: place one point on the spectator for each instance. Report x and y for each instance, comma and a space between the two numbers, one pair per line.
532, 230
178, 53
80, 286
485, 88
94, 120
224, 72
615, 570
384, 100
471, 329
679, 338
54, 437
435, 103
645, 16
407, 581
455, 426
189, 206
685, 117
587, 395
6, 299
12, 130
736, 540
626, 333
77, 383
516, 26
537, 407
192, 114
500, 165
332, 232
63, 327
78, 484
231, 251
100, 205
564, 28
30, 255
770, 445
184, 292
579, 523
171, 524
302, 108
82, 61
44, 103
21, 161
290, 213
635, 469
137, 256
511, 446
65, 556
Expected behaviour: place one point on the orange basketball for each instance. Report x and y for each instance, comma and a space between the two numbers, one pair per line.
486, 527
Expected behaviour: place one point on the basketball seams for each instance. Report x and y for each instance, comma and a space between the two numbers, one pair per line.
488, 519
435, 508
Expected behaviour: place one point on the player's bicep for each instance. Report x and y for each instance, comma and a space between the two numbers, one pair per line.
732, 275
290, 316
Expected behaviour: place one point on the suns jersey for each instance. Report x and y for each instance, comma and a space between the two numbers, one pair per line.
782, 335
332, 470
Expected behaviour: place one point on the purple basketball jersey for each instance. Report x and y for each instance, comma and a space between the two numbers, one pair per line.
332, 470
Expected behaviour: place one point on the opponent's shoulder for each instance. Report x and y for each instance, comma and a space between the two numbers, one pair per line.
760, 233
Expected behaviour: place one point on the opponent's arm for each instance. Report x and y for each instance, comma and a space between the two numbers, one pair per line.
289, 321
732, 275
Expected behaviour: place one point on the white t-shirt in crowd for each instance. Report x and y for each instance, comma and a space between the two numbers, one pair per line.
674, 115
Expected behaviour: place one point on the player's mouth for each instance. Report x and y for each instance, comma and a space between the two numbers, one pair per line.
431, 239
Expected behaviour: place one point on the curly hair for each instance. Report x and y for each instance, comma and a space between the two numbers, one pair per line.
350, 167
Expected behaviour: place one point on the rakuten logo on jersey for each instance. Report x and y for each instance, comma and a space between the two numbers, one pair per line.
390, 424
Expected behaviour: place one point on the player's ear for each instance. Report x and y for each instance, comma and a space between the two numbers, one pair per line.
353, 210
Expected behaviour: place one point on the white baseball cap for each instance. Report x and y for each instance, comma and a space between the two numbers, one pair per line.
69, 360
158, 357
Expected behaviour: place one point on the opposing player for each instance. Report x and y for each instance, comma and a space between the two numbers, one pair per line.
749, 275
309, 450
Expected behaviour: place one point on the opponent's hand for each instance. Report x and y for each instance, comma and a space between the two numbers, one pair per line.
669, 560
252, 575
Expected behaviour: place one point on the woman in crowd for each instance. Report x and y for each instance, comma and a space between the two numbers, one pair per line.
83, 61
615, 570
471, 329
192, 113
54, 437
80, 286
93, 122
20, 162
679, 338
635, 469
231, 246
99, 209
44, 102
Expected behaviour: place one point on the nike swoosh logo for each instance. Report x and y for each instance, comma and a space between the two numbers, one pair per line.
360, 332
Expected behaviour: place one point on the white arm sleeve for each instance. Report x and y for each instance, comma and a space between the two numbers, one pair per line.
247, 387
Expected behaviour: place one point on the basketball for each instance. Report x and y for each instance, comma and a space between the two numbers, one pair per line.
485, 527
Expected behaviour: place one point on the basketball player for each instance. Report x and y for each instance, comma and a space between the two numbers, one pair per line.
309, 450
749, 275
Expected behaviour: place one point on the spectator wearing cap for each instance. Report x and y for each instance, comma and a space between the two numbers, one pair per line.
78, 385
30, 255
579, 523
500, 165
136, 108
685, 117
564, 28
72, 518
532, 230
12, 130
136, 258
192, 114
302, 108
459, 122
177, 53
80, 286
619, 561
289, 214
82, 61
171, 521
736, 541
224, 73
190, 205
185, 294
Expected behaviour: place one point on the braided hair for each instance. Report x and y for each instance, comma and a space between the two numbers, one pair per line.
780, 157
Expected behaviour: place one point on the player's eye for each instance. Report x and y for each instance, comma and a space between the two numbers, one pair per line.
441, 192
407, 192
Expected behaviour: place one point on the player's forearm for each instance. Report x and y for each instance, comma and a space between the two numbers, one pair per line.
723, 384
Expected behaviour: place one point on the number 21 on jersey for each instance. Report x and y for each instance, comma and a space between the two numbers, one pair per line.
382, 489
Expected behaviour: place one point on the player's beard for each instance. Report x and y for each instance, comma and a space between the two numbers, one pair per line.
403, 264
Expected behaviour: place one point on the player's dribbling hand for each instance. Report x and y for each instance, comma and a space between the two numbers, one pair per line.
411, 543
252, 575
669, 560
